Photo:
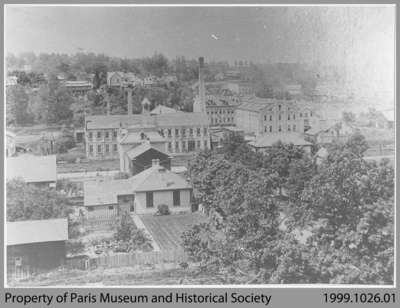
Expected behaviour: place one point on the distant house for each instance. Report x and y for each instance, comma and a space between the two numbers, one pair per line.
121, 79
140, 157
140, 194
10, 143
34, 246
78, 87
150, 81
265, 142
340, 131
160, 109
37, 170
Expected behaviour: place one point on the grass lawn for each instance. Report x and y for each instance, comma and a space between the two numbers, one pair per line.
167, 230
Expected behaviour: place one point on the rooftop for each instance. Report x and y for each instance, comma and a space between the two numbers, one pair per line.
139, 150
32, 169
159, 120
154, 178
37, 231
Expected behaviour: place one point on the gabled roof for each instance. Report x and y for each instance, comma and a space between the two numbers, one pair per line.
140, 149
270, 139
154, 178
146, 101
32, 169
163, 109
37, 231
105, 192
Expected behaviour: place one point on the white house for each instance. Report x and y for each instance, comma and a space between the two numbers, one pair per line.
140, 194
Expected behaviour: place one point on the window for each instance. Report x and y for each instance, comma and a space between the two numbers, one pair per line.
280, 128
107, 135
115, 148
115, 134
288, 117
183, 132
107, 148
198, 131
169, 147
288, 128
191, 131
183, 146
294, 117
294, 128
111, 207
205, 144
205, 131
301, 115
265, 129
177, 146
99, 148
169, 132
90, 135
176, 132
91, 148
310, 113
270, 128
98, 135
132, 208
280, 107
149, 199
279, 117
177, 197
270, 117
198, 144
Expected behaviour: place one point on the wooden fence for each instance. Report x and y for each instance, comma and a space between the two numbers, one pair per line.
139, 258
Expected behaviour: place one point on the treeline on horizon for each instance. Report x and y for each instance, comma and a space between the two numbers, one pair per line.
77, 66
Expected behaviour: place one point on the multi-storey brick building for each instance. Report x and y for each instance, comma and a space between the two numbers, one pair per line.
261, 116
183, 132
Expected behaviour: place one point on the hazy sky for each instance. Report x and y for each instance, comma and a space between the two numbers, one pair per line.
358, 38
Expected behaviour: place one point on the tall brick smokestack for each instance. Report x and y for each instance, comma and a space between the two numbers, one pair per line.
130, 102
202, 88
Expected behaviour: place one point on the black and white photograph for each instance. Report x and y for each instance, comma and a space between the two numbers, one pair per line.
199, 145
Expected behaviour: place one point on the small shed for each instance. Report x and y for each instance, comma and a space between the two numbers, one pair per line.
35, 246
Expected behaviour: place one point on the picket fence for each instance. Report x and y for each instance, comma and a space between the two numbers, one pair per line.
139, 258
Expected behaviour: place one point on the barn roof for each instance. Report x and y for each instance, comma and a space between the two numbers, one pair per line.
37, 231
140, 149
32, 169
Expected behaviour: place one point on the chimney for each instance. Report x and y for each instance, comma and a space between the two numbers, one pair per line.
202, 89
155, 162
130, 102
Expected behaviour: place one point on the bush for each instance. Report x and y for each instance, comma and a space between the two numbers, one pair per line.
162, 210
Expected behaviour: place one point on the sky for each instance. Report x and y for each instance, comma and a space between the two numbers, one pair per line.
357, 38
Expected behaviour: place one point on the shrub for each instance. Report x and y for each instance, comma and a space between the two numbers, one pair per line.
162, 210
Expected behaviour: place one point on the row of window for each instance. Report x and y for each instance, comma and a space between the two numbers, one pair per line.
223, 120
289, 128
293, 117
99, 135
107, 148
221, 112
182, 132
188, 146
